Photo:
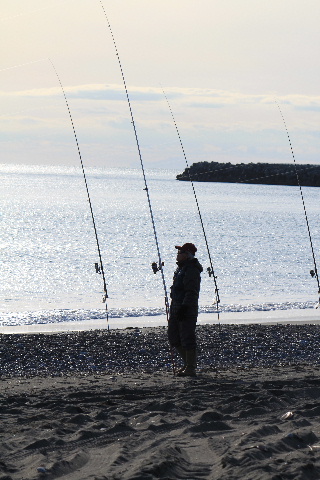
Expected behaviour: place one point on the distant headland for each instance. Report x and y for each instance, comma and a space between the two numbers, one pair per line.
259, 173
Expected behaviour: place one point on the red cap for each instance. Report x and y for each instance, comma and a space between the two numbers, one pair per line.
188, 247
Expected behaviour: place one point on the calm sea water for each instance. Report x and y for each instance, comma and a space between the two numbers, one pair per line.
257, 238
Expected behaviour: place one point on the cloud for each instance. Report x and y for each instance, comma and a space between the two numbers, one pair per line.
196, 96
214, 124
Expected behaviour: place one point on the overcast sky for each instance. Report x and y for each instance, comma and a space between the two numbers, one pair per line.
222, 64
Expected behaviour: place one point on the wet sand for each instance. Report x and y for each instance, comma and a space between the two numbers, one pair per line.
106, 405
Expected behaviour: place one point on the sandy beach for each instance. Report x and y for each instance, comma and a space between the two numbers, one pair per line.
106, 405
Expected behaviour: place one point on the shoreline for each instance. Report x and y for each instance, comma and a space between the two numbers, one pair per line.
295, 316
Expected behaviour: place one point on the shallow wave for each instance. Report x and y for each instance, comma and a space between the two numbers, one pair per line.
63, 315
263, 307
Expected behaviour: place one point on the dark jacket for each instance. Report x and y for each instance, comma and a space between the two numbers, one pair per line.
186, 285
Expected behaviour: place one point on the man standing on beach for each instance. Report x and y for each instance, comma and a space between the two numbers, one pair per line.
184, 308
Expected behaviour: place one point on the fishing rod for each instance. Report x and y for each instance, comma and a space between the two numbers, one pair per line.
313, 273
98, 266
155, 267
210, 268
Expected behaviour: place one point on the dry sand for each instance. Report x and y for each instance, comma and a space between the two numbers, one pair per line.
247, 421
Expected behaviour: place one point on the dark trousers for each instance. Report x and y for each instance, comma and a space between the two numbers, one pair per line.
182, 333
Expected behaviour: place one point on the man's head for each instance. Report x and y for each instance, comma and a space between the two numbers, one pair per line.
187, 250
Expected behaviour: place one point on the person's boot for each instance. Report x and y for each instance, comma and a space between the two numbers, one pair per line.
183, 355
190, 370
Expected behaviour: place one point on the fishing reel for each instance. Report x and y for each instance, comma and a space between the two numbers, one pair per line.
99, 271
211, 272
155, 267
313, 274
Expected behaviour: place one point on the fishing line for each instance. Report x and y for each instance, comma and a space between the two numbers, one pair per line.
315, 271
155, 267
29, 13
23, 64
98, 266
209, 269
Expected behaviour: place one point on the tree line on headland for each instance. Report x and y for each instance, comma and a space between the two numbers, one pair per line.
260, 173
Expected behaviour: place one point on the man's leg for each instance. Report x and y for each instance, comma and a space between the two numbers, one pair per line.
187, 329
175, 340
